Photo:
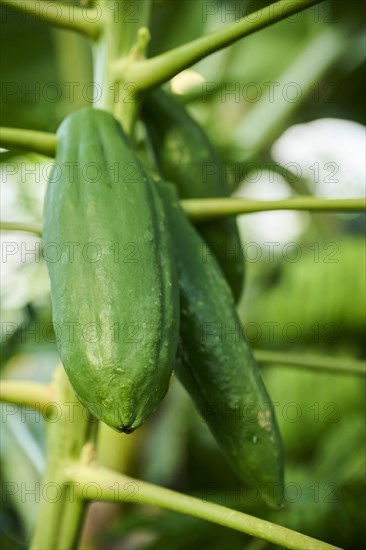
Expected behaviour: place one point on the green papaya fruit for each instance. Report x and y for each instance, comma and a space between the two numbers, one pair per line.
109, 256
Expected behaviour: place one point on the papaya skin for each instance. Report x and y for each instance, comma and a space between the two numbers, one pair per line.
114, 298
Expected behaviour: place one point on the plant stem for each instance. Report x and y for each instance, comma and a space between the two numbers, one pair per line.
132, 17
70, 436
319, 363
31, 394
153, 72
120, 32
115, 487
199, 210
84, 20
124, 448
30, 140
23, 227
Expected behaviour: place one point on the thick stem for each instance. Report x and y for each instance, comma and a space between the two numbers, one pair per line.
153, 72
120, 32
84, 20
69, 436
115, 487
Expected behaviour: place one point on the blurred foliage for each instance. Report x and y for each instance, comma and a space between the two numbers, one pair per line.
307, 302
40, 85
321, 415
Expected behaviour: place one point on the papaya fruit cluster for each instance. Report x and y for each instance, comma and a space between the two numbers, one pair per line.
139, 316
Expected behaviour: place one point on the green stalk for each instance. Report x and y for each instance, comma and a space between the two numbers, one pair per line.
86, 21
124, 448
33, 228
131, 16
43, 143
120, 488
315, 362
199, 210
153, 72
60, 519
32, 394
120, 34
